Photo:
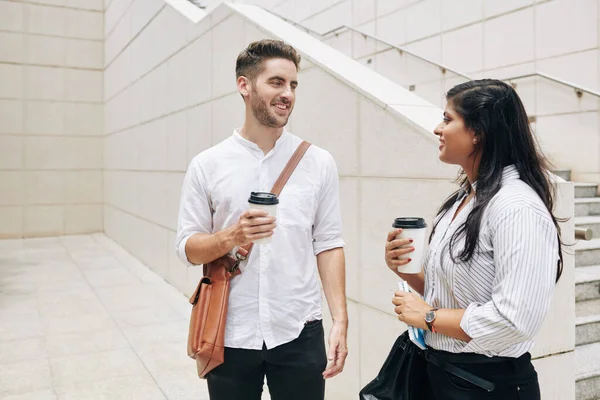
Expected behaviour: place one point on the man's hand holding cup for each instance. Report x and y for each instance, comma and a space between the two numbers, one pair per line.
257, 225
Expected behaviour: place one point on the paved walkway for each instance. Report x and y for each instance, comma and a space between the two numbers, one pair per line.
82, 319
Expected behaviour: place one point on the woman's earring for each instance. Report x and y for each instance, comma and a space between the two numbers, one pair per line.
475, 141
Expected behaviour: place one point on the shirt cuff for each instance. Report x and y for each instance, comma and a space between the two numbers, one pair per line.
465, 322
181, 251
320, 247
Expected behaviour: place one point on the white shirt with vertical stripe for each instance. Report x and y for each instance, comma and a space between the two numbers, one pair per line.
507, 287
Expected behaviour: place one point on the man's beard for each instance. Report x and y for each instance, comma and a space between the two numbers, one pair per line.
260, 110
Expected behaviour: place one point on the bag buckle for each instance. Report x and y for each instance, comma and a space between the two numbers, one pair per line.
236, 266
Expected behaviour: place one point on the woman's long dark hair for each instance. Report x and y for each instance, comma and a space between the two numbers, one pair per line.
494, 111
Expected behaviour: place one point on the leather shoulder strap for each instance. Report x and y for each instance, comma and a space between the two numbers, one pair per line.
289, 169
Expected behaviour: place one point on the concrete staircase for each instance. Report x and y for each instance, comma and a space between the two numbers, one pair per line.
587, 294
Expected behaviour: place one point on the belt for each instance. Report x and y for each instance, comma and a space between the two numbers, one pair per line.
473, 358
444, 361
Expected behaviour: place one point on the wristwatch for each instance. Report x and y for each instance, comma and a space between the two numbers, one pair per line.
429, 318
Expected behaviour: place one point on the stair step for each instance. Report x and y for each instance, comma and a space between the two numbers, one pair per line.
587, 274
587, 371
586, 220
585, 308
563, 173
587, 283
587, 329
589, 221
586, 189
587, 252
587, 206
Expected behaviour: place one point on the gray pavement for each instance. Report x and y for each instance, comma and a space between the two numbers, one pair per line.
82, 319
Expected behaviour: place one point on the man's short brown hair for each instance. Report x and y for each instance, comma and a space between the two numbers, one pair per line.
250, 60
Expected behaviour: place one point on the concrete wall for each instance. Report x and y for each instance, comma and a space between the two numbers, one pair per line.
484, 39
169, 97
51, 117
559, 37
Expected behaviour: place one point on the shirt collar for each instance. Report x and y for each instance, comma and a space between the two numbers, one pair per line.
465, 189
509, 173
253, 147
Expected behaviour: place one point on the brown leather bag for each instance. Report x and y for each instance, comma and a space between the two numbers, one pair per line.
206, 339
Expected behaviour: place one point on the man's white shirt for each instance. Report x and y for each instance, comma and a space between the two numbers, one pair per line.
278, 290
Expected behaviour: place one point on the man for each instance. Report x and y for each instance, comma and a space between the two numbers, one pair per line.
274, 326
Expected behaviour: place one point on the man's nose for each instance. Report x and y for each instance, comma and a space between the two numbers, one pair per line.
288, 94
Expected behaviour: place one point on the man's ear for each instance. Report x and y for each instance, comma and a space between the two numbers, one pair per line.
244, 86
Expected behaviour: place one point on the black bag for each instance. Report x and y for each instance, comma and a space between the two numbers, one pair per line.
403, 375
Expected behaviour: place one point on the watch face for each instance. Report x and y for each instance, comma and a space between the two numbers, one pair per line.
430, 316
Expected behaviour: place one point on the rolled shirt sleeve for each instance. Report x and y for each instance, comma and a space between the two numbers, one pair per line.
525, 249
327, 228
195, 214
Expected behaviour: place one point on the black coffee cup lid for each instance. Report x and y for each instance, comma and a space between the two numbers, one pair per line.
409, 223
263, 198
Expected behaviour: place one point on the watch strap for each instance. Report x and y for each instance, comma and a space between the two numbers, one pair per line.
430, 324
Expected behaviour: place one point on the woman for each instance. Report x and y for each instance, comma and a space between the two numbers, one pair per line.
494, 253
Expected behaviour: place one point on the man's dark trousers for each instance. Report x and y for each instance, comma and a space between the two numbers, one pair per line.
294, 370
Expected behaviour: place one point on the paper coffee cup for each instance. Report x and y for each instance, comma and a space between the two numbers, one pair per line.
412, 228
267, 202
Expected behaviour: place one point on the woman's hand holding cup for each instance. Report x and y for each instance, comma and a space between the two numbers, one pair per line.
408, 235
394, 248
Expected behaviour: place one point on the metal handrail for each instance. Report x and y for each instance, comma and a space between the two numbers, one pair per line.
334, 31
403, 50
579, 90
296, 24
